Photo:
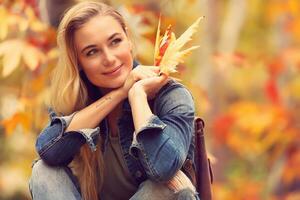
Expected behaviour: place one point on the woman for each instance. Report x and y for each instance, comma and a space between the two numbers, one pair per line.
118, 130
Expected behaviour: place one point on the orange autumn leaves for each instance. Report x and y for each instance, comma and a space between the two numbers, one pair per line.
288, 12
15, 51
20, 118
250, 129
27, 45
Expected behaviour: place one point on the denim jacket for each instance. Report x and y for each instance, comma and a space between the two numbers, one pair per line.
157, 152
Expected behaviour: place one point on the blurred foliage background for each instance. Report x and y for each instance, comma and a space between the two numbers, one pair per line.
245, 79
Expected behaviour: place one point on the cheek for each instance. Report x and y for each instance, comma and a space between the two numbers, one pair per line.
91, 73
90, 66
125, 52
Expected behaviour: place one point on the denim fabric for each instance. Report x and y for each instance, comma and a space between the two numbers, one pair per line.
158, 151
48, 183
52, 183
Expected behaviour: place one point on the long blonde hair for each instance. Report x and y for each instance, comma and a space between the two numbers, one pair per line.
69, 91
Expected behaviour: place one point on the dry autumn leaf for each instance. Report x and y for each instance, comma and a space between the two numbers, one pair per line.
32, 57
11, 50
15, 50
3, 23
167, 51
19, 118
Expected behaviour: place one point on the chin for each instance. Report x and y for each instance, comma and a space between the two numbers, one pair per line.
114, 84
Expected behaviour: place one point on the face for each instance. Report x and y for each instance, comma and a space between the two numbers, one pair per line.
104, 52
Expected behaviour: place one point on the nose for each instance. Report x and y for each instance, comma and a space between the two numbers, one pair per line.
108, 58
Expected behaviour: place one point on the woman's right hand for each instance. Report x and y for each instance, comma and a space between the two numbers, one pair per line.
138, 73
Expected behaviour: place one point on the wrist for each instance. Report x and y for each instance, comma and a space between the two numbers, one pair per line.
136, 92
123, 93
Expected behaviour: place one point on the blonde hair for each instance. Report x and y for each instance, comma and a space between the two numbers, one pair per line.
69, 91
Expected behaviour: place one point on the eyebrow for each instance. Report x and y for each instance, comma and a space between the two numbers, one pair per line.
93, 45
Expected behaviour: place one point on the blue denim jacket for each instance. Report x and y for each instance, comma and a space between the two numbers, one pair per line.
158, 151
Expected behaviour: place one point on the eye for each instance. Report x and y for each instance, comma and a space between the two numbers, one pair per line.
91, 52
116, 41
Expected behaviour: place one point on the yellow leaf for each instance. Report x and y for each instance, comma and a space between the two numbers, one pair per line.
31, 57
52, 54
37, 26
3, 23
173, 56
292, 88
11, 51
23, 24
157, 39
16, 20
29, 13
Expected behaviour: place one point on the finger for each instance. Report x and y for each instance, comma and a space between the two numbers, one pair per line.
163, 78
152, 73
156, 69
148, 70
148, 74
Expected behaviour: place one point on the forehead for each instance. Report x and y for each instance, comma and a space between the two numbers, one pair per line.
97, 29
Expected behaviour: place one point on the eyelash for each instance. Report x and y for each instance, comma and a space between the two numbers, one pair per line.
113, 43
91, 52
116, 41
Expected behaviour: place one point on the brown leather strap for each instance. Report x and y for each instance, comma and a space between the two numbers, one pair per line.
204, 176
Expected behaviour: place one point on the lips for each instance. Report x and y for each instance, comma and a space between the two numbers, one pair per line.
114, 70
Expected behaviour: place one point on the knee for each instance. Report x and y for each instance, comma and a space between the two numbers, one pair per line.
48, 182
41, 172
43, 175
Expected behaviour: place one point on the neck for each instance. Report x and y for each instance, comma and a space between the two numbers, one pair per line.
104, 91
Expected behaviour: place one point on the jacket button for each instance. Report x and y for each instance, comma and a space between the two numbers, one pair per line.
138, 174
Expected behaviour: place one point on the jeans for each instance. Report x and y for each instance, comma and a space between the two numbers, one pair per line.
58, 183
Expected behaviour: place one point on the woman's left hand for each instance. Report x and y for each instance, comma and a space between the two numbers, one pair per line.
149, 86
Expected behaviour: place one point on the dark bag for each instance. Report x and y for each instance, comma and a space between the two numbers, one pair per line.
201, 176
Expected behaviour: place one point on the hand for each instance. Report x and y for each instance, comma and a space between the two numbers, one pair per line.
149, 86
179, 182
138, 73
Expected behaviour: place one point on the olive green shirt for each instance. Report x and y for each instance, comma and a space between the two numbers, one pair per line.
118, 183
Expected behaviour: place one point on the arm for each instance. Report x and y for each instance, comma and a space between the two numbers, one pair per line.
62, 138
162, 140
92, 115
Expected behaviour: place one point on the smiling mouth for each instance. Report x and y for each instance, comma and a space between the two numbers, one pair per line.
107, 73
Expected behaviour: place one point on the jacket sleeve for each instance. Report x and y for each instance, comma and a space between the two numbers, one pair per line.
57, 147
162, 145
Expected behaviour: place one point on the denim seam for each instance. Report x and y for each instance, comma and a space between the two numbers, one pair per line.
89, 139
53, 141
152, 170
150, 124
